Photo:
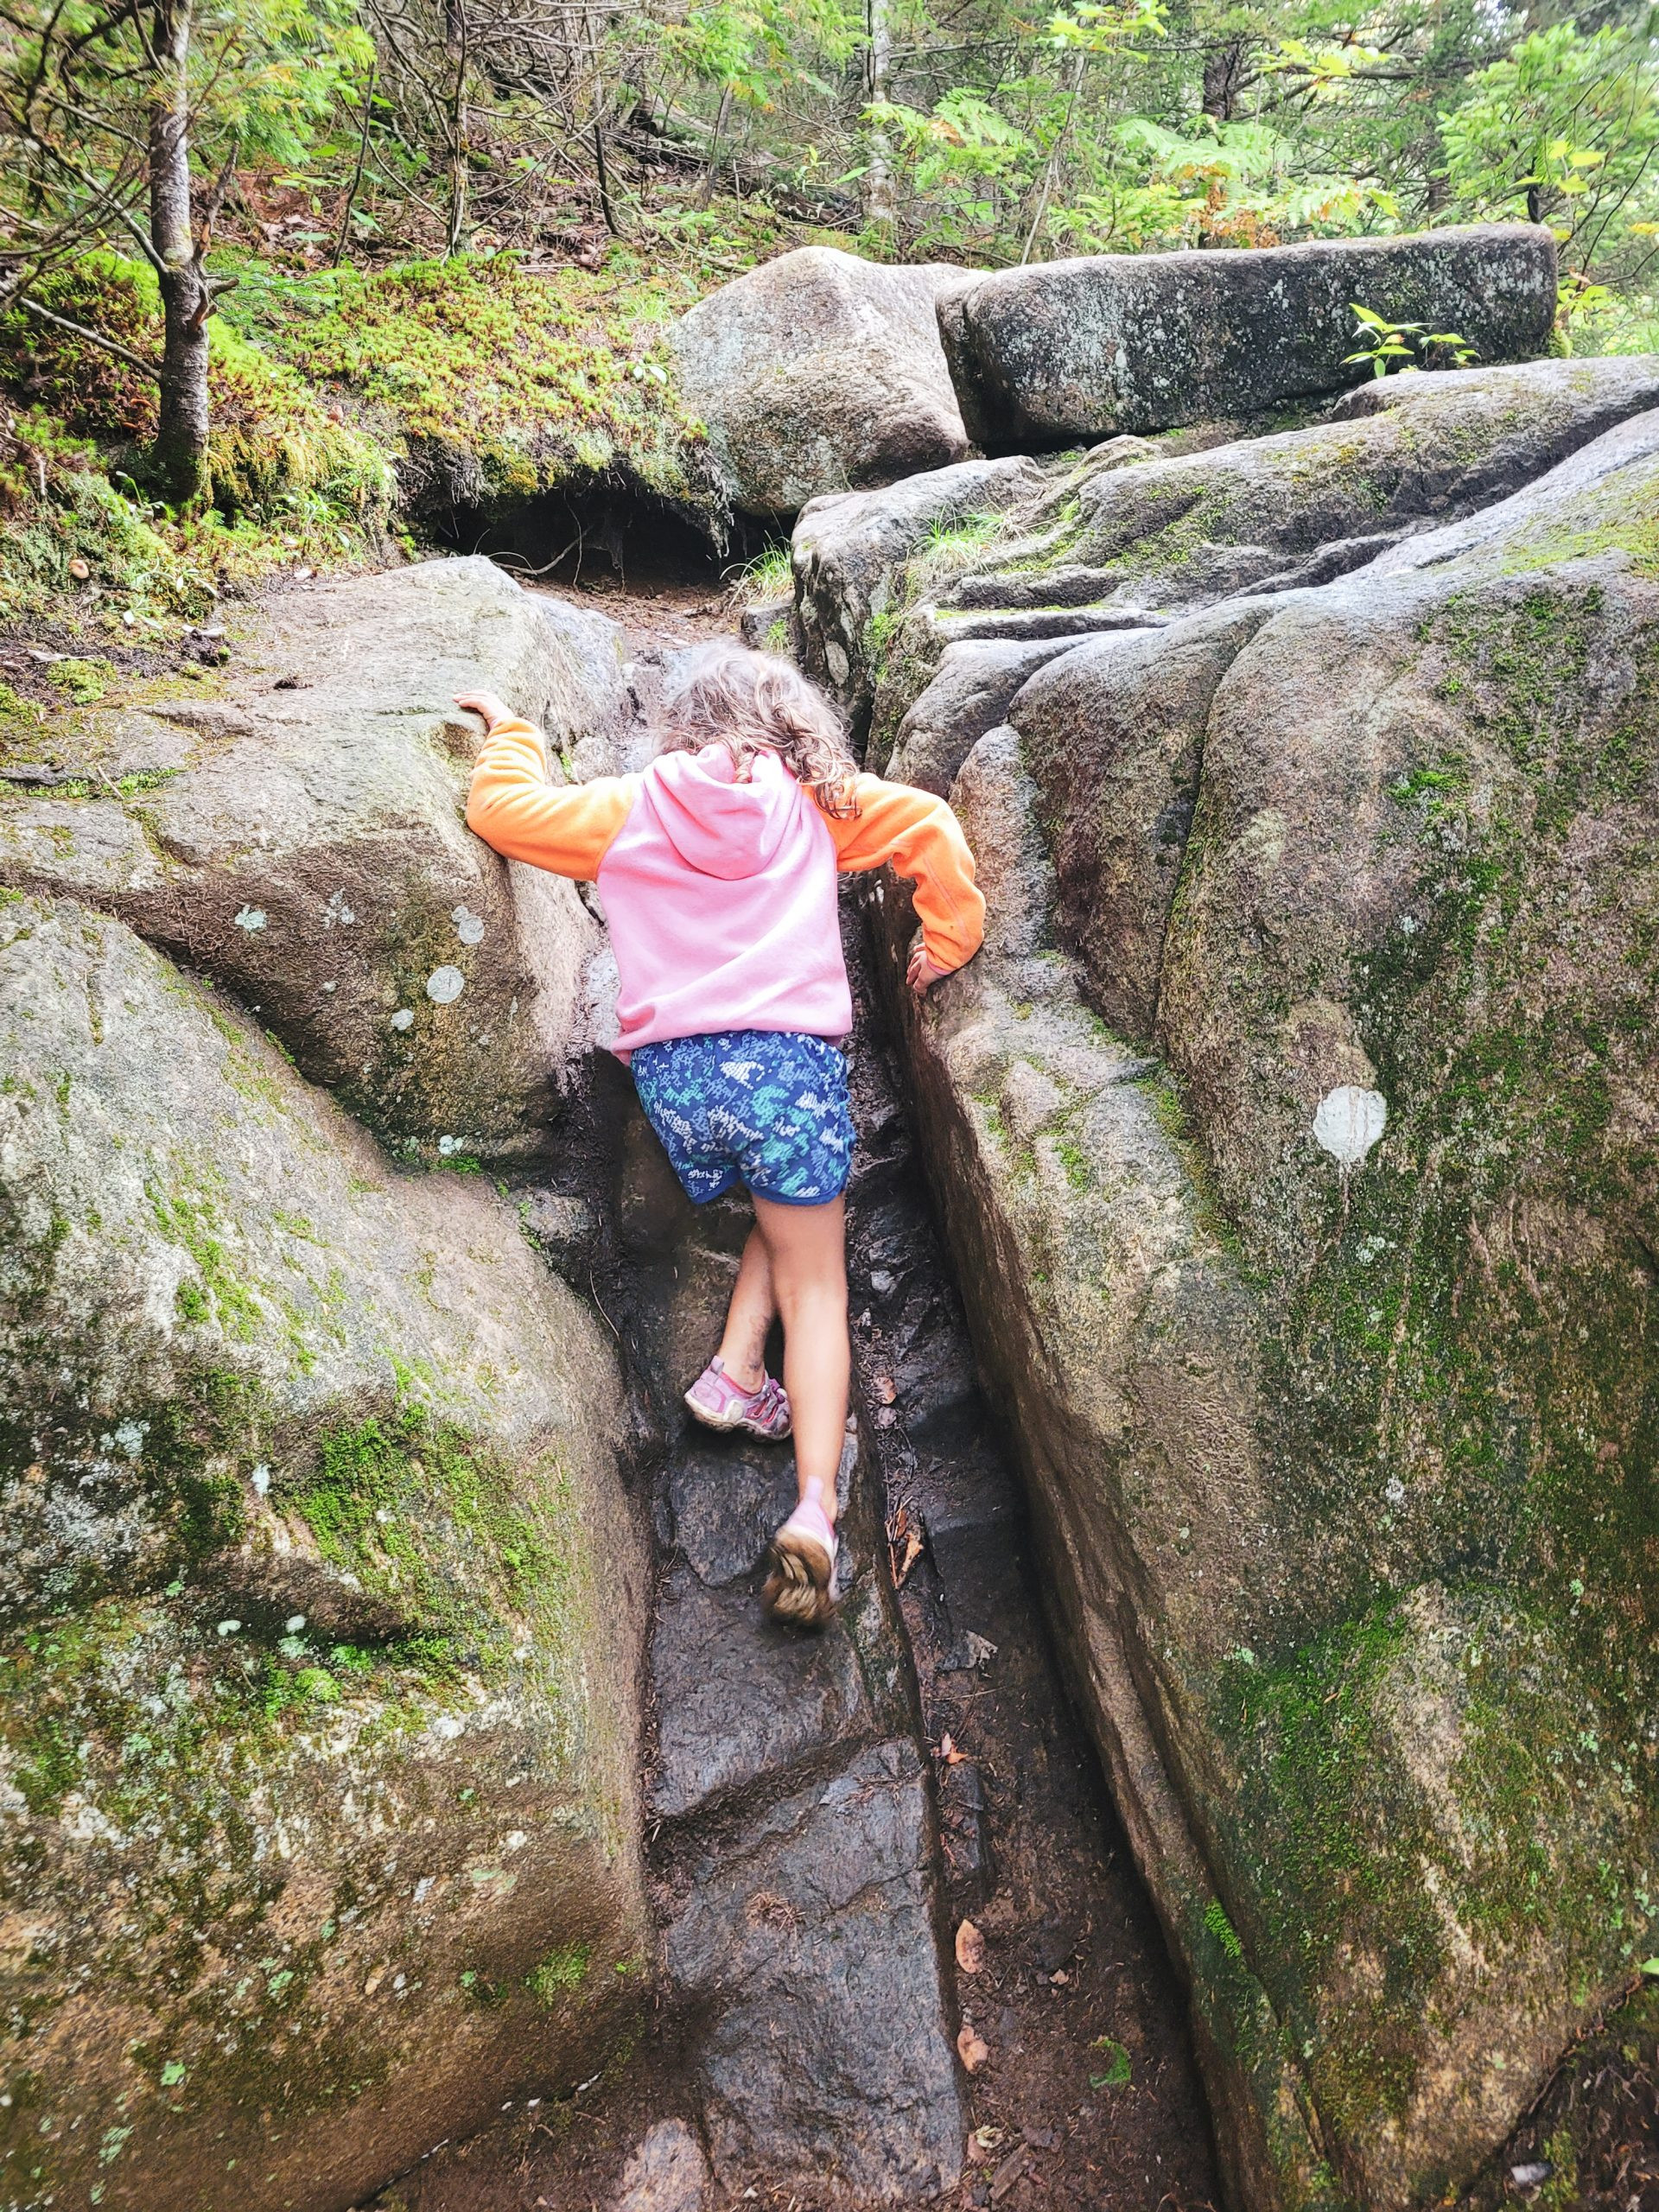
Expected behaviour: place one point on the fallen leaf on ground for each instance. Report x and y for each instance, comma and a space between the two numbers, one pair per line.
949, 1752
971, 1948
905, 1541
971, 2049
885, 1389
1006, 2174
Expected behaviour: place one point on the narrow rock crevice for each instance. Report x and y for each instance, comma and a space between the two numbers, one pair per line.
865, 1845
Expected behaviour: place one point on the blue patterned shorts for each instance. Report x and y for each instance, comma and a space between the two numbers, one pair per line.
764, 1105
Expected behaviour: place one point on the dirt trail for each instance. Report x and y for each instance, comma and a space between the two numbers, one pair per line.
826, 1815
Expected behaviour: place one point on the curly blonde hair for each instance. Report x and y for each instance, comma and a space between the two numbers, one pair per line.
745, 701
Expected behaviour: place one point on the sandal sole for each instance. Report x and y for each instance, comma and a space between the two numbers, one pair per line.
798, 1591
728, 1428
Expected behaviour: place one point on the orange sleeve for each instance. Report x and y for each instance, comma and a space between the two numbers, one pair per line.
923, 841
565, 829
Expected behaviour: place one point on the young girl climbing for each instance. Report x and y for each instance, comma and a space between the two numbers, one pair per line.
717, 868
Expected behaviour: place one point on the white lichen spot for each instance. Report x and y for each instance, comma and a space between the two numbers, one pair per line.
1394, 1491
469, 926
448, 1727
130, 1437
448, 1146
1349, 1121
260, 1480
293, 1623
445, 985
422, 1889
250, 918
337, 912
404, 1019
229, 1627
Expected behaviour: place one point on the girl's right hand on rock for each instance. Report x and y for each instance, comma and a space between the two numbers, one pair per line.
485, 703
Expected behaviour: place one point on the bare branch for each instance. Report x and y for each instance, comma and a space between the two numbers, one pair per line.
91, 337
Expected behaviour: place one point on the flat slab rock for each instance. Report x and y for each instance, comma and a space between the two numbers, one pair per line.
812, 1936
1136, 342
740, 1697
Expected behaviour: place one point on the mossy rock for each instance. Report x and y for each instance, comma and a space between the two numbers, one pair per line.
322, 1614
1328, 1330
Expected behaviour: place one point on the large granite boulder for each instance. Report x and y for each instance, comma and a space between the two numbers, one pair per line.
1128, 539
297, 833
818, 372
1318, 1286
322, 1620
847, 549
1049, 354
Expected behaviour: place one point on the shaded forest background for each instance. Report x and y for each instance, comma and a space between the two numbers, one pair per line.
278, 277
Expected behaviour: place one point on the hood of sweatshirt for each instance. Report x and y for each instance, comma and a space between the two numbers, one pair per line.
718, 825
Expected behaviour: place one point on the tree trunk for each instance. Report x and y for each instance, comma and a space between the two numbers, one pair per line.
706, 190
1223, 71
880, 211
459, 41
178, 461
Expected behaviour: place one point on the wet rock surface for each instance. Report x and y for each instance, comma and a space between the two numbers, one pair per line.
739, 1698
811, 1935
1045, 355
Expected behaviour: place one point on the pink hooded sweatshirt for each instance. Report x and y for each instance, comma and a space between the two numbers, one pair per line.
720, 894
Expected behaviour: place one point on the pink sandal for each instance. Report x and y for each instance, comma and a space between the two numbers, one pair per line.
800, 1588
718, 1403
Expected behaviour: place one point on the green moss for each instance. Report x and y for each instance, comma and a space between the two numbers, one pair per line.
1586, 531
1075, 1161
1215, 1920
425, 1517
1162, 1089
290, 481
86, 681
191, 1218
559, 1975
1333, 1841
539, 378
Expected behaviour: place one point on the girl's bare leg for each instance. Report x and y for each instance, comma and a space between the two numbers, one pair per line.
807, 1247
749, 1316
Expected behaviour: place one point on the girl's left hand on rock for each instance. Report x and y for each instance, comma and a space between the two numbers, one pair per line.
921, 975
